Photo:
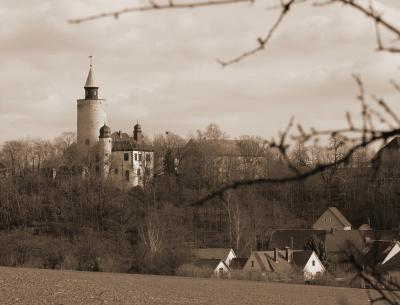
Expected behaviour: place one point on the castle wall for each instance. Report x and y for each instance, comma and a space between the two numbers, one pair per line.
91, 116
125, 172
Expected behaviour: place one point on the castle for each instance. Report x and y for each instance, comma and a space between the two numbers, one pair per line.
127, 161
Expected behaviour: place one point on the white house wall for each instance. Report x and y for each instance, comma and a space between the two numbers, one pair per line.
229, 258
225, 269
395, 249
309, 269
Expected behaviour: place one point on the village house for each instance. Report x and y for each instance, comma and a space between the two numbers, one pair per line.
383, 260
209, 262
332, 219
224, 254
205, 268
285, 263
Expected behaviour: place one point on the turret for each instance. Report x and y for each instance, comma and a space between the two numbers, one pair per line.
91, 115
91, 90
105, 147
137, 133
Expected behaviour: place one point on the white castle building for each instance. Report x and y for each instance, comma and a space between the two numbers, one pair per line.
118, 157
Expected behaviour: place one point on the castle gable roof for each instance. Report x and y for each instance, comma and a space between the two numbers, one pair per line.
123, 142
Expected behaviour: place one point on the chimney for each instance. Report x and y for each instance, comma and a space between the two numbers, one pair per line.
276, 253
288, 254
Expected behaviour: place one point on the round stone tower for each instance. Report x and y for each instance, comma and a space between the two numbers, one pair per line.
91, 115
105, 146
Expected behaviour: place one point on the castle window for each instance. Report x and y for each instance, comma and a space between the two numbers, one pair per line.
140, 157
126, 157
97, 169
138, 171
135, 156
97, 158
127, 175
252, 264
148, 157
116, 171
313, 263
87, 142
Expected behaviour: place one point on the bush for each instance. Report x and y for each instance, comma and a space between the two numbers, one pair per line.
191, 270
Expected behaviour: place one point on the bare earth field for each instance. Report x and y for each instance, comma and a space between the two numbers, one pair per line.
35, 286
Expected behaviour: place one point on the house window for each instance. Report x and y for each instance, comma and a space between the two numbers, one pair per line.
116, 171
313, 263
126, 157
148, 157
135, 156
252, 264
140, 157
127, 175
325, 219
138, 171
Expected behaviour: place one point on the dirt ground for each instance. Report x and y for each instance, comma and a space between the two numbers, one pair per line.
35, 286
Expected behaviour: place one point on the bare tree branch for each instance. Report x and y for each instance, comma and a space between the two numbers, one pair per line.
152, 5
262, 42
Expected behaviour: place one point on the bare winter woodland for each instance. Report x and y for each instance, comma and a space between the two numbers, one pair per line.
200, 195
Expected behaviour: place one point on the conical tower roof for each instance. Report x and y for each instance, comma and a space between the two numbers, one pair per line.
90, 83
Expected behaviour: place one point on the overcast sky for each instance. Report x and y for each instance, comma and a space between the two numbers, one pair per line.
159, 67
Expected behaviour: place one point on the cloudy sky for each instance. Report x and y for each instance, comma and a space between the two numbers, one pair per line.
159, 67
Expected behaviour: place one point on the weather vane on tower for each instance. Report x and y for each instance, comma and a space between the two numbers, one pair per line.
91, 60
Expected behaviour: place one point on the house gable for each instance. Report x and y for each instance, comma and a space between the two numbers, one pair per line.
332, 218
395, 249
313, 266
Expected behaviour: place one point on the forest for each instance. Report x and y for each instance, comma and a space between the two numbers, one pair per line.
51, 216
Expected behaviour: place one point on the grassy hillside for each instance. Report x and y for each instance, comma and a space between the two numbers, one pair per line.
36, 286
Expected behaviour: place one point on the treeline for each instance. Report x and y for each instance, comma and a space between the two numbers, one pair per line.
62, 219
